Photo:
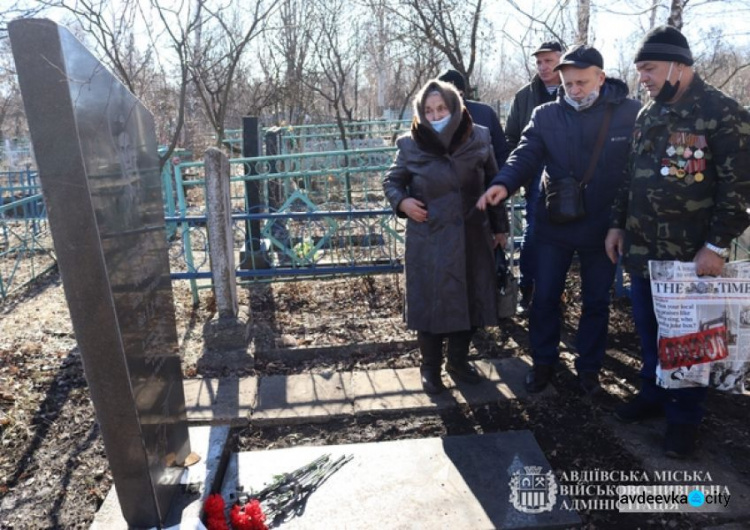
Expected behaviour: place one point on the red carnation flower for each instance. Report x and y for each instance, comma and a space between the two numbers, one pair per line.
248, 517
213, 508
217, 523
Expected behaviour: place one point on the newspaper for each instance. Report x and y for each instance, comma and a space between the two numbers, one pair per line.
704, 325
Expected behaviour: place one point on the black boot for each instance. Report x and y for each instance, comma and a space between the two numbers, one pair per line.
679, 441
458, 352
539, 377
431, 348
527, 293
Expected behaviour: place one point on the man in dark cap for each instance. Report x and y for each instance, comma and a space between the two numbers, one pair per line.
584, 134
542, 89
482, 114
685, 199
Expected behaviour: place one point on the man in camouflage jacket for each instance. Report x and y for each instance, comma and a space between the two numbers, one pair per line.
685, 199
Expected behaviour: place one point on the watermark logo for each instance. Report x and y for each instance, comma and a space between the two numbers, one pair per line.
696, 498
532, 491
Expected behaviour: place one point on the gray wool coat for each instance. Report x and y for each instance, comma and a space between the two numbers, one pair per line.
449, 263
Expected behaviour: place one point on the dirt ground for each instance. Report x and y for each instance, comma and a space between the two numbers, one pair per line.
54, 473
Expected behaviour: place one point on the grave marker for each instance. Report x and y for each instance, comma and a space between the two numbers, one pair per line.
96, 152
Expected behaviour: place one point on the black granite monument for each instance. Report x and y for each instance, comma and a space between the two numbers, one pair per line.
97, 158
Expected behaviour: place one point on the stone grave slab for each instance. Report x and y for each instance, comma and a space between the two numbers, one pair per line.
306, 397
451, 482
394, 390
209, 443
228, 400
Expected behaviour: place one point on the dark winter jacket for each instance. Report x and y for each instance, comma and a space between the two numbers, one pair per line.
689, 180
450, 267
524, 102
484, 115
563, 140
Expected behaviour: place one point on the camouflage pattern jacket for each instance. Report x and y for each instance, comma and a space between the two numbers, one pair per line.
689, 178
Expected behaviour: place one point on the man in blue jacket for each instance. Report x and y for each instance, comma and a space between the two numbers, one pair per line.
562, 135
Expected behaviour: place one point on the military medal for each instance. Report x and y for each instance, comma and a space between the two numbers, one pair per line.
699, 177
687, 152
671, 150
689, 179
700, 144
680, 173
664, 171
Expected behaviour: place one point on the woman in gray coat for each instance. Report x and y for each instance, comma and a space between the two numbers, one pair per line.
442, 167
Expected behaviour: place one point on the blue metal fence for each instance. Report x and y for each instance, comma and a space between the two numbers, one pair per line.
314, 215
26, 250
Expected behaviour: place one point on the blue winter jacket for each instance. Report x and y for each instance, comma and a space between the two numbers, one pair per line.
562, 139
483, 114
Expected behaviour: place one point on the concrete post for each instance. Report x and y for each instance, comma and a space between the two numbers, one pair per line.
229, 329
220, 238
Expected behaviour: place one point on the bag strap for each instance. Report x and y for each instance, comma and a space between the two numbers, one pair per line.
599, 144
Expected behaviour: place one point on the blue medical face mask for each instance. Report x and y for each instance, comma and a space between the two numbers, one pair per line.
585, 103
440, 124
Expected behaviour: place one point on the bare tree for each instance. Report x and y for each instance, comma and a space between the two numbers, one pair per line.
111, 31
675, 13
450, 26
584, 19
178, 26
11, 105
554, 22
18, 8
225, 35
292, 45
335, 49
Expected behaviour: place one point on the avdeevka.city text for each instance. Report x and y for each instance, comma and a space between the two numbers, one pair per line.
671, 498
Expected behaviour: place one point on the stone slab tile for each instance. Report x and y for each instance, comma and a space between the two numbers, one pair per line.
303, 398
206, 441
452, 482
228, 400
501, 382
397, 390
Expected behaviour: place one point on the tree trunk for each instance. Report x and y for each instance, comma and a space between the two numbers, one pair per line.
675, 13
584, 17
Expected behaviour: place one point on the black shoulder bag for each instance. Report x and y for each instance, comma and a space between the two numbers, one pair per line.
564, 197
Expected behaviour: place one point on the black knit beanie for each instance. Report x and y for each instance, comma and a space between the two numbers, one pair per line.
664, 43
455, 78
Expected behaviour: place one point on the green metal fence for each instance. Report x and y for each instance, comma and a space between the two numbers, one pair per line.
327, 137
300, 215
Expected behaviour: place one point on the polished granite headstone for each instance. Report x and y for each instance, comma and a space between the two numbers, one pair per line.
97, 157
